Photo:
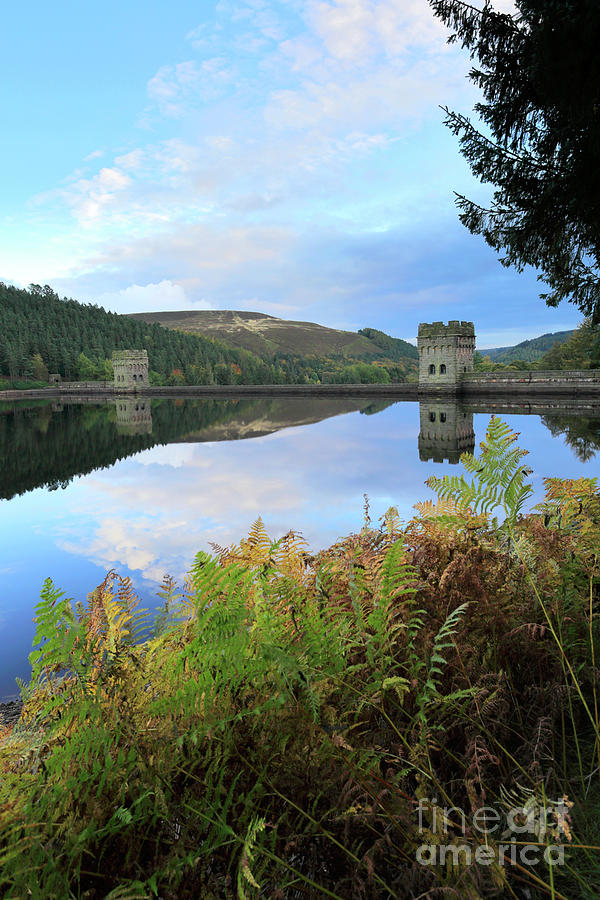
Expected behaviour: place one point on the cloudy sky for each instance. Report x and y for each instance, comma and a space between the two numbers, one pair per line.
286, 156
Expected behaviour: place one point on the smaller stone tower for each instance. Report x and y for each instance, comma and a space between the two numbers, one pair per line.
445, 354
134, 415
130, 369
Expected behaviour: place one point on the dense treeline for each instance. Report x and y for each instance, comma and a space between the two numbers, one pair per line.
40, 333
395, 348
581, 350
529, 351
341, 370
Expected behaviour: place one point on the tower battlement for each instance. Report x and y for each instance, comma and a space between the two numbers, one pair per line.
454, 326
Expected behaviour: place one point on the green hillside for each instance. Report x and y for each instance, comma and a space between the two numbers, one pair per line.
42, 333
268, 336
394, 348
528, 351
39, 333
580, 351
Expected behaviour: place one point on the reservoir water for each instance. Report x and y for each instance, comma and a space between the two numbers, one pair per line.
140, 486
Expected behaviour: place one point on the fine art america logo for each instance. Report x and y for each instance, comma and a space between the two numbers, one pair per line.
520, 835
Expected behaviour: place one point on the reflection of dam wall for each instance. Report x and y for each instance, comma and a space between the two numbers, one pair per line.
446, 430
539, 406
134, 416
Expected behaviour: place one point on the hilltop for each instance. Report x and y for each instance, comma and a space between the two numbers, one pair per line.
267, 336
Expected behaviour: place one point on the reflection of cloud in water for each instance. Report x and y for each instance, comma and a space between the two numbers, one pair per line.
134, 543
154, 512
172, 455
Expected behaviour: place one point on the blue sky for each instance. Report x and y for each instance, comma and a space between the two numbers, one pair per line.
287, 157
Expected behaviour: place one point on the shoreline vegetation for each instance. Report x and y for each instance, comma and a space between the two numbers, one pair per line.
412, 712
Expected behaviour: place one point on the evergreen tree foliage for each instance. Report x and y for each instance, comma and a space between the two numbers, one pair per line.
39, 332
580, 351
539, 72
395, 348
528, 351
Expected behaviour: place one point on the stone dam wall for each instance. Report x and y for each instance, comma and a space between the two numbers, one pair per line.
99, 389
568, 386
532, 383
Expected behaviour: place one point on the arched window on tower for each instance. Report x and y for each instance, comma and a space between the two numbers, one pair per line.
432, 369
432, 417
442, 369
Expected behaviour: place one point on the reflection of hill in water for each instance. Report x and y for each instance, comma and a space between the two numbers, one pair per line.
263, 417
47, 444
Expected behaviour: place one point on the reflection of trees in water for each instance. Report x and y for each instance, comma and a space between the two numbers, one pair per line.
42, 446
376, 407
48, 444
581, 434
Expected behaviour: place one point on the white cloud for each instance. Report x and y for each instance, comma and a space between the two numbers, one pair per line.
131, 161
171, 85
95, 154
198, 248
254, 157
287, 125
382, 99
357, 31
149, 298
90, 197
505, 6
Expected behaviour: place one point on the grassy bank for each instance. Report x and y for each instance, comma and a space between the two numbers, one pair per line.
20, 385
376, 720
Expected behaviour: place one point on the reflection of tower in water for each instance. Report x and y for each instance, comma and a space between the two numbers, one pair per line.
134, 415
446, 430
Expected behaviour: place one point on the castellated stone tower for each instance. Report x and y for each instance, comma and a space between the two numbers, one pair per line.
445, 354
130, 369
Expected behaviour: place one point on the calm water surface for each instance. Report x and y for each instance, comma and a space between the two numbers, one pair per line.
141, 487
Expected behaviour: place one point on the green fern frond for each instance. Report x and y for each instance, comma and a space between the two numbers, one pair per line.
443, 640
57, 632
500, 477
